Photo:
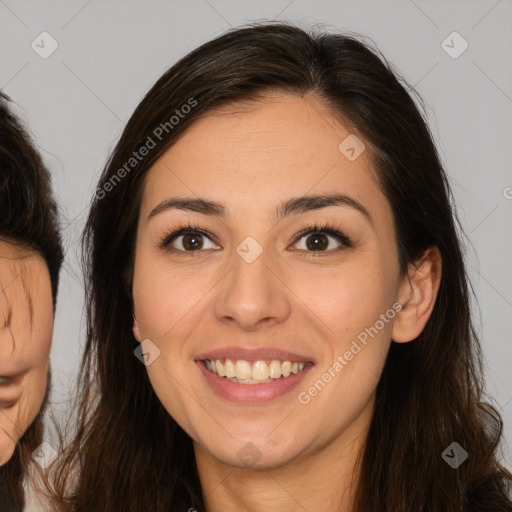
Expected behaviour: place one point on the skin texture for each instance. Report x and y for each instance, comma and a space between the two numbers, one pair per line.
25, 341
252, 157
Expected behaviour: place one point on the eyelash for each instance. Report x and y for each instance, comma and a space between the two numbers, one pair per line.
187, 229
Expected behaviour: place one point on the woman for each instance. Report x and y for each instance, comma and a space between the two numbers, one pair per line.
278, 307
30, 260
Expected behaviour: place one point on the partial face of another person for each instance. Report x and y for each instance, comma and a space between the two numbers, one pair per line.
275, 304
26, 324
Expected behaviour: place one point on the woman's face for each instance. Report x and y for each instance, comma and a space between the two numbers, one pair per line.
26, 323
284, 312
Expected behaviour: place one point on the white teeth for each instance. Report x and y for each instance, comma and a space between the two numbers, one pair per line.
275, 369
244, 372
220, 368
230, 369
260, 370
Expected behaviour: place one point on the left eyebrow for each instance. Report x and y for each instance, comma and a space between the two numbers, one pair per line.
292, 206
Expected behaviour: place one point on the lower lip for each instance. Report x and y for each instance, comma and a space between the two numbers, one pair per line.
251, 393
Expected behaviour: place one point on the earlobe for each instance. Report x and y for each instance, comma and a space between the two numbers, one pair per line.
136, 330
418, 294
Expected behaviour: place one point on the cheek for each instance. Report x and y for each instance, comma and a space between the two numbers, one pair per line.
33, 395
163, 297
34, 384
355, 308
168, 305
349, 300
167, 308
34, 353
33, 342
15, 420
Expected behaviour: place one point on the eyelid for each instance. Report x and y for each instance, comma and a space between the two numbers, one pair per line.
181, 231
324, 228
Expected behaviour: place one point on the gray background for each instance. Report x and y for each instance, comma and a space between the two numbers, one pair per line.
77, 100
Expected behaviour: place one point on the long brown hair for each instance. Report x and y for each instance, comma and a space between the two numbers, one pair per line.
29, 219
128, 454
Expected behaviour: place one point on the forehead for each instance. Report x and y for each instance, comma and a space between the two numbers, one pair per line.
259, 152
294, 130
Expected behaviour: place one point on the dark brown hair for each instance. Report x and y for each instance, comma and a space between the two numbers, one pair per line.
29, 213
128, 453
28, 219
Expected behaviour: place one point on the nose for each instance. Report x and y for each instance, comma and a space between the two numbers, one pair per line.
253, 293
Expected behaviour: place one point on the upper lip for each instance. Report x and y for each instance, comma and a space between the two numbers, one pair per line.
254, 354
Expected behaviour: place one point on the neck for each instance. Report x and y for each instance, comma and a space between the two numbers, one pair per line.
321, 479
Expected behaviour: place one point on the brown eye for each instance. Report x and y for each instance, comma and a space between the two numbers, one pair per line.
191, 241
317, 242
320, 240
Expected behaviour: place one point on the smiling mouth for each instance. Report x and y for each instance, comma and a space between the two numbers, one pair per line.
241, 371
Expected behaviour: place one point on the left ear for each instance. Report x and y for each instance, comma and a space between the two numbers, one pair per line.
417, 294
136, 330
135, 326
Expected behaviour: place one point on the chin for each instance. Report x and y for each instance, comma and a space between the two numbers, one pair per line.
255, 452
